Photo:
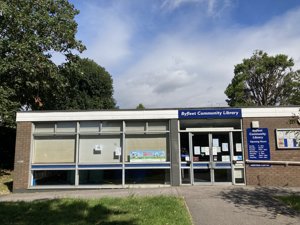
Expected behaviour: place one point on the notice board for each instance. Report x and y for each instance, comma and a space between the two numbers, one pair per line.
258, 144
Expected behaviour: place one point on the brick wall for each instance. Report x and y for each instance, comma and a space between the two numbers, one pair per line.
276, 175
22, 156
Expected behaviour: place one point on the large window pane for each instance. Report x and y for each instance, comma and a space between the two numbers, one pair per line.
147, 176
101, 149
53, 177
146, 148
54, 150
100, 177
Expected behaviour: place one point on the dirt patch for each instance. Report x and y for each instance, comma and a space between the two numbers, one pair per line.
5, 181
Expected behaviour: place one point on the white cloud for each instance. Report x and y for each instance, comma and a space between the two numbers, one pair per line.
194, 71
213, 7
109, 43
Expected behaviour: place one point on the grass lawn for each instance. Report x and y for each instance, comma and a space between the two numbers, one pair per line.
5, 181
105, 211
293, 201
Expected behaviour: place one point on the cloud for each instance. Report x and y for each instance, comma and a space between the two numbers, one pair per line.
109, 32
213, 7
194, 69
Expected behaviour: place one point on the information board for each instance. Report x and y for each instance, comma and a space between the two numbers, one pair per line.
258, 144
288, 138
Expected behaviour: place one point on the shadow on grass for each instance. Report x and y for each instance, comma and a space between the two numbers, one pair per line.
261, 197
9, 185
61, 212
4, 172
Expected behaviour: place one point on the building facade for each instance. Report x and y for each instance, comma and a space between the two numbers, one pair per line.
167, 147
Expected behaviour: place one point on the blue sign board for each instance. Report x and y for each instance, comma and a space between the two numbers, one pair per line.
258, 144
209, 113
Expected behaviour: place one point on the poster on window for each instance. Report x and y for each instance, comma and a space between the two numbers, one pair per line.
288, 138
147, 156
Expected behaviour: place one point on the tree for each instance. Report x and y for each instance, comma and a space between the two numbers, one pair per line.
264, 80
30, 32
7, 106
86, 86
140, 106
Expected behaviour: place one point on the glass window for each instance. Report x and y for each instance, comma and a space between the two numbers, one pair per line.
157, 126
237, 146
100, 177
202, 175
66, 127
105, 149
147, 176
111, 126
223, 175
146, 148
239, 176
185, 176
135, 126
53, 177
44, 128
54, 150
89, 126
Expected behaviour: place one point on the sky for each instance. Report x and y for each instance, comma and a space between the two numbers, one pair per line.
181, 53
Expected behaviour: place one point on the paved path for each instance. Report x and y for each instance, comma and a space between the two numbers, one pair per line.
208, 205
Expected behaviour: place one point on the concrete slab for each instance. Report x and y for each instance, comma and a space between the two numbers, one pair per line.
233, 205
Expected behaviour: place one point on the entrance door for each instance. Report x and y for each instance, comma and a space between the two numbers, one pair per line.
210, 157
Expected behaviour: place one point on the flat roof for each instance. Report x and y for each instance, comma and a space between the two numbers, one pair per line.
145, 114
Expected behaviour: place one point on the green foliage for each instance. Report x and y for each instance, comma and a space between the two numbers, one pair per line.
108, 211
292, 201
8, 104
86, 85
30, 31
264, 80
140, 106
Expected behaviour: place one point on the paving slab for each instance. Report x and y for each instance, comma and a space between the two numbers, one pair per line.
234, 205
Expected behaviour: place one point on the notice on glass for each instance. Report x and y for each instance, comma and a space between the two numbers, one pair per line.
238, 147
216, 150
225, 158
197, 150
205, 150
118, 151
225, 147
216, 142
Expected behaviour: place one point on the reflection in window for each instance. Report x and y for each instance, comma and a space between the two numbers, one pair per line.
54, 177
100, 177
147, 176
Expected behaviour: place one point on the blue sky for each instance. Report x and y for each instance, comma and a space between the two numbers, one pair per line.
181, 53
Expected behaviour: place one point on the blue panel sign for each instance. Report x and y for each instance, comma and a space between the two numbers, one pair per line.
209, 113
258, 144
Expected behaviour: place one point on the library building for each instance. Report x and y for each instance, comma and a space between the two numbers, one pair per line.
157, 148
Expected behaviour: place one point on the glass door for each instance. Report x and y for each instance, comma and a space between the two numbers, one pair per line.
201, 158
210, 157
221, 148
